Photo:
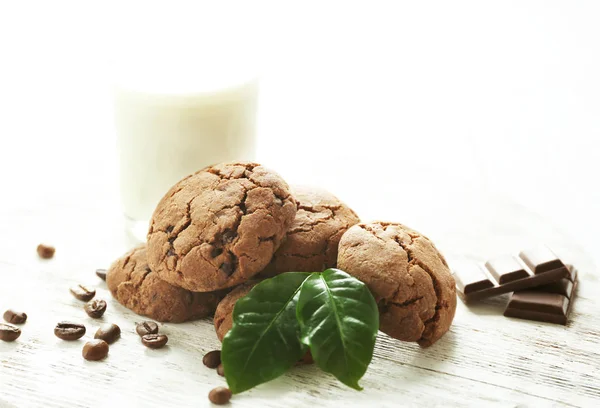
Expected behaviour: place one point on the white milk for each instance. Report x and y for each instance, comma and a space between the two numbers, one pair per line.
169, 129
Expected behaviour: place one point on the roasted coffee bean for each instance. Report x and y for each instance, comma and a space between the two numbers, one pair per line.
219, 395
83, 293
101, 273
15, 317
69, 331
8, 332
95, 308
45, 251
95, 350
220, 370
212, 359
108, 332
147, 327
154, 341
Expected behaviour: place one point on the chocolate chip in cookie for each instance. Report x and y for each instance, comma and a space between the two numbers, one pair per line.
408, 277
137, 287
220, 226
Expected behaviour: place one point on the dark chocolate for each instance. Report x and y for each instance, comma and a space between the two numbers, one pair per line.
549, 303
506, 269
562, 287
506, 274
472, 278
541, 259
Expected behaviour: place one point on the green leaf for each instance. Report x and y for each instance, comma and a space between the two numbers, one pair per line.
339, 321
264, 341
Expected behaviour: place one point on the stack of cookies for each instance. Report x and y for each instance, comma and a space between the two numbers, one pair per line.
219, 228
218, 232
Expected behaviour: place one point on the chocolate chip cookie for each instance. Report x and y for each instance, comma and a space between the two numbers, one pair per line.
223, 320
312, 240
408, 277
135, 286
220, 226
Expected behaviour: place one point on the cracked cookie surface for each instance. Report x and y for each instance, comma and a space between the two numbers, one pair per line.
408, 277
312, 241
220, 226
135, 286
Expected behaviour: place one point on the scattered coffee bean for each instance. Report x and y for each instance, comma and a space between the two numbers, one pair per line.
69, 331
219, 395
8, 332
95, 308
147, 327
83, 293
220, 370
101, 273
108, 332
15, 317
212, 359
154, 341
95, 350
45, 251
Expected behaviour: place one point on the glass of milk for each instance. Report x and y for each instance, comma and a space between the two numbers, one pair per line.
172, 120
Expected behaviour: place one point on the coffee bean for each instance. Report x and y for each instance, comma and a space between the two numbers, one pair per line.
101, 273
212, 359
95, 308
108, 332
8, 332
83, 293
95, 350
154, 341
219, 395
147, 327
69, 331
45, 251
220, 370
15, 317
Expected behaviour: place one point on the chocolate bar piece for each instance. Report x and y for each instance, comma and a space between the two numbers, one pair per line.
549, 303
541, 259
507, 274
506, 269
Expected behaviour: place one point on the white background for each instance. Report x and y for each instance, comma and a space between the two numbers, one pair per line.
406, 110
401, 105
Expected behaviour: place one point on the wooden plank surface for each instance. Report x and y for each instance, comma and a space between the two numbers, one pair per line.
485, 359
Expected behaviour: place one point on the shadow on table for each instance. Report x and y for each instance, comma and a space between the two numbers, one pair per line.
492, 306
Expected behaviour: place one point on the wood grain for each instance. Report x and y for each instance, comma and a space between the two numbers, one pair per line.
485, 359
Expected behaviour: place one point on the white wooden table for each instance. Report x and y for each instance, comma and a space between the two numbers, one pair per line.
406, 81
485, 359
